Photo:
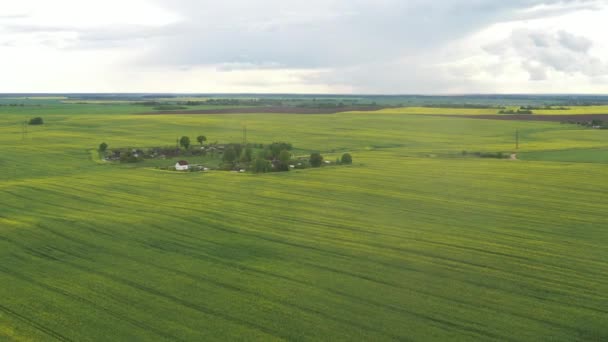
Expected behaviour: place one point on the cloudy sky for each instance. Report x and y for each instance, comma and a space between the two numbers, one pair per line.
312, 46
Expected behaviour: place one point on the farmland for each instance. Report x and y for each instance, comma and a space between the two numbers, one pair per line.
411, 242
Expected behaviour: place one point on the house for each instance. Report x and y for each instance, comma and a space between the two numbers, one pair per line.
182, 165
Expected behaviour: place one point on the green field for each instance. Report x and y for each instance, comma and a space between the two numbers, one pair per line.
595, 155
411, 242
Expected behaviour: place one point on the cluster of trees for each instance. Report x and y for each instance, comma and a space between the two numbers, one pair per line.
36, 121
185, 141
273, 157
237, 153
596, 123
284, 160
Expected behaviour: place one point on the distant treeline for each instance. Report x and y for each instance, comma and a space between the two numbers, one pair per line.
180, 105
333, 105
464, 101
544, 108
211, 102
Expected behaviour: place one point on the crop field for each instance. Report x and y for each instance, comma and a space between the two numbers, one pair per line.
411, 242
572, 110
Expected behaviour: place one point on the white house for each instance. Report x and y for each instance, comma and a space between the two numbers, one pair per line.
182, 165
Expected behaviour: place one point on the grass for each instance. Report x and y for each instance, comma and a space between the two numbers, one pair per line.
398, 246
574, 155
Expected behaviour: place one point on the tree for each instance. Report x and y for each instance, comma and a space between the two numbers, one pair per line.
201, 139
103, 147
248, 155
229, 155
265, 154
184, 142
276, 148
36, 121
316, 159
347, 159
261, 165
238, 149
284, 158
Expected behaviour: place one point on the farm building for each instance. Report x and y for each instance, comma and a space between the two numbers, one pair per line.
182, 165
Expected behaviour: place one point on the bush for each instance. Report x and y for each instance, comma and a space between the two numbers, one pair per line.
36, 121
129, 158
316, 159
498, 155
347, 159
103, 147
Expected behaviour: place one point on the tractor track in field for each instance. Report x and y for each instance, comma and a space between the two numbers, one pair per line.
92, 304
34, 324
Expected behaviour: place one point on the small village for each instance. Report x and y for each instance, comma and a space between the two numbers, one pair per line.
234, 157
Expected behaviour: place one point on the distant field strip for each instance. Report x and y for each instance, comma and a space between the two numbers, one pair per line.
573, 110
